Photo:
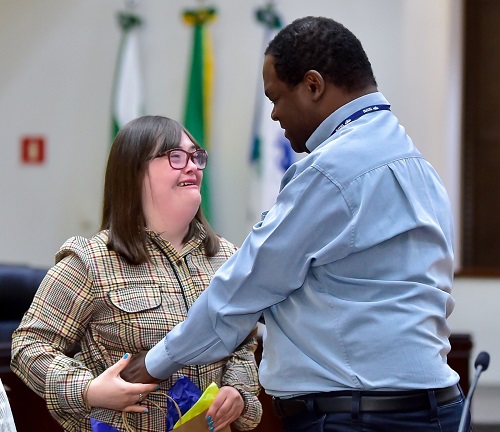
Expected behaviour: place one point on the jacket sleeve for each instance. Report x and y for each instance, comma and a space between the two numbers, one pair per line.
241, 373
49, 330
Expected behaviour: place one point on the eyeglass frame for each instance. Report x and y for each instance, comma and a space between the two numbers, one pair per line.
190, 156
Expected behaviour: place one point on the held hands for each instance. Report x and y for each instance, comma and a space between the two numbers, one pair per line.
110, 391
119, 388
135, 370
226, 408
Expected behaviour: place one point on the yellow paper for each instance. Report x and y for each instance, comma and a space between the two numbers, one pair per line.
201, 404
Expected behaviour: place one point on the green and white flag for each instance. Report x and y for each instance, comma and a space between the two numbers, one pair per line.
198, 110
128, 92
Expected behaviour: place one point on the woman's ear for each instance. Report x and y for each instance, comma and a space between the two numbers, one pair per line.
315, 84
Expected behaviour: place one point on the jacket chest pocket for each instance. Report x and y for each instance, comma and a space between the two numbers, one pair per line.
130, 319
135, 299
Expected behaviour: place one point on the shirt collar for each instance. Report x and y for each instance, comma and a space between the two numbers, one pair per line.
193, 243
325, 129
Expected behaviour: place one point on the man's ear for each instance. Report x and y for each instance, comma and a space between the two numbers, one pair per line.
315, 84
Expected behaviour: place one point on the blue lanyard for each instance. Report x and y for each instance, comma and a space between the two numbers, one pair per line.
360, 113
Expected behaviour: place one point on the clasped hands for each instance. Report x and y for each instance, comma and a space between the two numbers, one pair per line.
123, 386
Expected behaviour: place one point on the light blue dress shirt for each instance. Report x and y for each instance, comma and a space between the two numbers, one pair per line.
352, 269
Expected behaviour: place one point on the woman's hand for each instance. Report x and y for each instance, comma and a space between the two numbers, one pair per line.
225, 409
110, 391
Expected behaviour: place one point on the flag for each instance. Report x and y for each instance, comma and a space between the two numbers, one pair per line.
128, 98
197, 114
270, 152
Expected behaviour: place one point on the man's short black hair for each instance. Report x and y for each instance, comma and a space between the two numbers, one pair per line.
324, 45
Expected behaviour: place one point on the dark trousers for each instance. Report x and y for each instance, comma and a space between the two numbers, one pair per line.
445, 418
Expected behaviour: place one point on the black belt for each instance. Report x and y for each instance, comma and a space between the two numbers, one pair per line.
362, 401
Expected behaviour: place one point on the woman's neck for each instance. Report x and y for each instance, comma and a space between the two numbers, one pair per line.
176, 241
171, 232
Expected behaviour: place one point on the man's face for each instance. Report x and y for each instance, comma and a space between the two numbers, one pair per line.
292, 107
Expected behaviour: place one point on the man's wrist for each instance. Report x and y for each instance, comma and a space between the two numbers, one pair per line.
158, 363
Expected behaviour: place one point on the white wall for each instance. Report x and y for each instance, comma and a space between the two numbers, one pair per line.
57, 62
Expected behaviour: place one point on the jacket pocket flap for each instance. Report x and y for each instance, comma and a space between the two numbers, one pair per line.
136, 298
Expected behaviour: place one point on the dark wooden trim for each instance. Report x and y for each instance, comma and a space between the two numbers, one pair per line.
478, 273
480, 234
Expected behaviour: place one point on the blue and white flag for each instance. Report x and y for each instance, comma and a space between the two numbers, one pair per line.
271, 154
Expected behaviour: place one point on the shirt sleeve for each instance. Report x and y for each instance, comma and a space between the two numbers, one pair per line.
300, 231
48, 332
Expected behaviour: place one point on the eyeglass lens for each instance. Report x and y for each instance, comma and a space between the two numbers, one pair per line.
178, 158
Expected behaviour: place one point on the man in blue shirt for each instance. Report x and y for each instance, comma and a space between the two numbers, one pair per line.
351, 269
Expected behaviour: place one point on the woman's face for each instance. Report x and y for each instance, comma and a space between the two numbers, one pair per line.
171, 193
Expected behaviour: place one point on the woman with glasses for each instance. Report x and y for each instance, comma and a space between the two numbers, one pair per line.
119, 292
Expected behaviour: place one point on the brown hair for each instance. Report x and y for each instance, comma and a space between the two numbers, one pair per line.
135, 145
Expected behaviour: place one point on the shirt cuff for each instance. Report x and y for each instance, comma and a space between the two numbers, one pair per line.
158, 363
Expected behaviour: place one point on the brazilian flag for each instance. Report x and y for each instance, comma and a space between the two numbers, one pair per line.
197, 114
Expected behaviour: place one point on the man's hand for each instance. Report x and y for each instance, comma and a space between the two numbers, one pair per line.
110, 391
136, 372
